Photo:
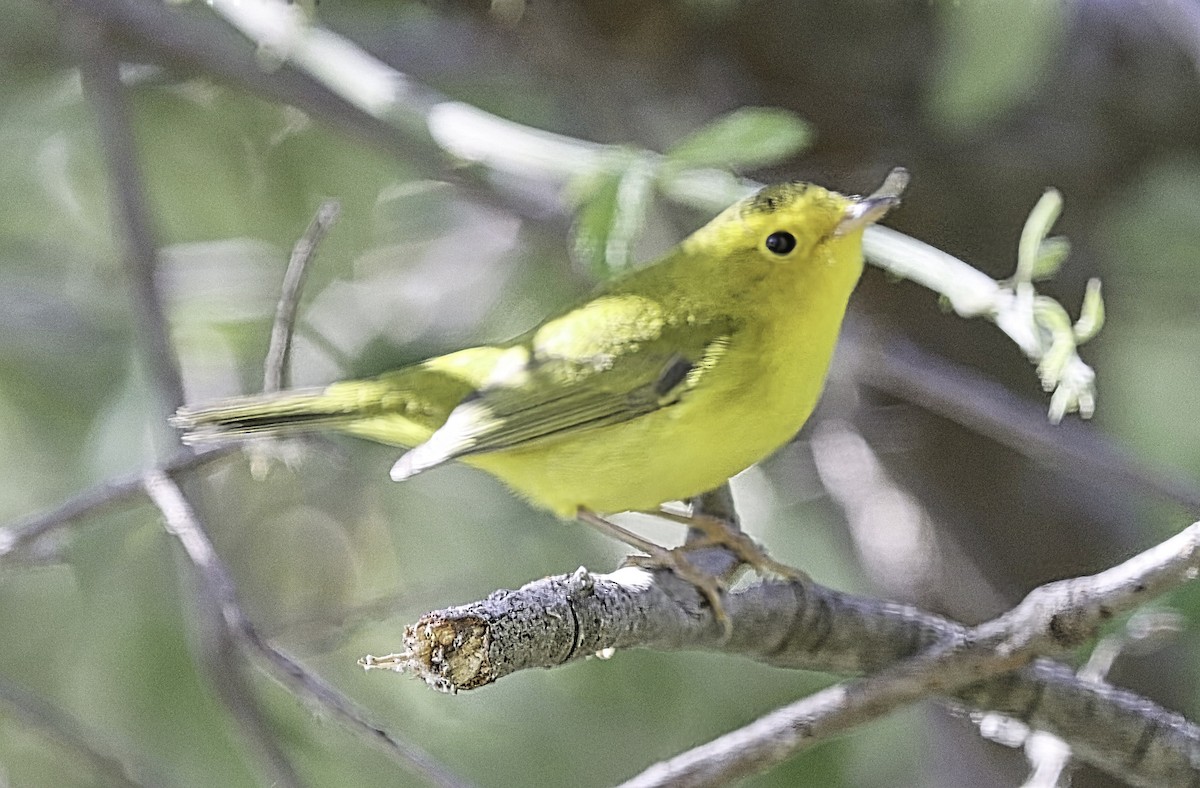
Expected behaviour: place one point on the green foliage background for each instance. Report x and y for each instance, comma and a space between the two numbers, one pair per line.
986, 102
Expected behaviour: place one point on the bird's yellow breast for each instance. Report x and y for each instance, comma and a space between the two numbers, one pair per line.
759, 393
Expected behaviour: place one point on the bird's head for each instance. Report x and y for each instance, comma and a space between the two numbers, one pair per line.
793, 233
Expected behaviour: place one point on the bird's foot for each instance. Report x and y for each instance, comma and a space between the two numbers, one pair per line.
716, 532
658, 557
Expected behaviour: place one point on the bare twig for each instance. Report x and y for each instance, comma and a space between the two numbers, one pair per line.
219, 615
102, 85
327, 698
236, 631
287, 669
276, 373
93, 501
33, 712
562, 619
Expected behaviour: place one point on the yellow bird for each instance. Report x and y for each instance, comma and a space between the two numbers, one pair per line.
661, 386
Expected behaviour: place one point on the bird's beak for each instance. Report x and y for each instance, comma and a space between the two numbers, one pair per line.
873, 207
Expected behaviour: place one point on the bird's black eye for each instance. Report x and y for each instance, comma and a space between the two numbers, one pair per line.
781, 242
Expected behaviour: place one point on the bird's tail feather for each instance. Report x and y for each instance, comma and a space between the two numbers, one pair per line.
260, 415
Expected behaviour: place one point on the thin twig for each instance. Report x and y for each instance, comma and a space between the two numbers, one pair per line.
101, 76
95, 500
236, 630
33, 712
219, 615
308, 685
286, 668
277, 372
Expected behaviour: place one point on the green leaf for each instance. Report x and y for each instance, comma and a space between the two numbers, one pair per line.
1050, 257
746, 138
589, 235
1033, 236
1091, 315
612, 215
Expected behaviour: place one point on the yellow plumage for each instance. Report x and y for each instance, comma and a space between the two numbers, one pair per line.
662, 386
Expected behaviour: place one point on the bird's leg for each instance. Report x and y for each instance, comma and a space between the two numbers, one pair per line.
719, 533
659, 557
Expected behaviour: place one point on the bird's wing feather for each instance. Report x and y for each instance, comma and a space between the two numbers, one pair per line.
569, 384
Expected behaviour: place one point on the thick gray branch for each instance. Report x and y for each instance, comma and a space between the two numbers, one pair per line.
558, 620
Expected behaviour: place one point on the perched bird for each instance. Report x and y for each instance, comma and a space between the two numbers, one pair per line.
661, 386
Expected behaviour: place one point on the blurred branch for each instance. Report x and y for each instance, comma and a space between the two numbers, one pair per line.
96, 500
1181, 22
216, 639
190, 41
561, 619
276, 373
967, 398
234, 632
102, 86
35, 713
1048, 754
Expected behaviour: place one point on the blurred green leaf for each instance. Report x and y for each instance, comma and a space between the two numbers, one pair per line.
593, 221
746, 138
612, 216
994, 55
1091, 314
411, 211
1051, 255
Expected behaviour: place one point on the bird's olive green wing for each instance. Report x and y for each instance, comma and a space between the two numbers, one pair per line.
560, 380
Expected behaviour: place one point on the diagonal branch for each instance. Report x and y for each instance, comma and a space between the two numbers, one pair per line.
1051, 619
219, 612
987, 408
33, 712
234, 631
558, 620
102, 86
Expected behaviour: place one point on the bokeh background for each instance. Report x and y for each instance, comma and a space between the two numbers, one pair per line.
985, 101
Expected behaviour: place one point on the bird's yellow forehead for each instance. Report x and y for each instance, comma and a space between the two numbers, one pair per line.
788, 198
807, 212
